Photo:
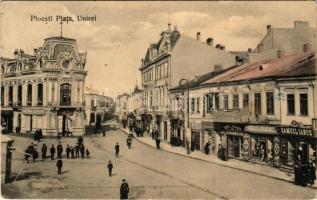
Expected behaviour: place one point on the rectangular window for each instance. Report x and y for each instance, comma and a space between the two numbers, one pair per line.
10, 95
225, 102
270, 103
193, 105
290, 104
217, 106
2, 96
198, 102
92, 103
245, 100
303, 104
235, 101
209, 102
257, 103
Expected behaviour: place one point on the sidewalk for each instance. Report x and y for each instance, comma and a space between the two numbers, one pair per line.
256, 168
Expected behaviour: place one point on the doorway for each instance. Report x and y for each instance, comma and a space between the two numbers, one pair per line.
234, 143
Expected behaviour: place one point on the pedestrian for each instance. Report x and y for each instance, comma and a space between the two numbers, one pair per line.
59, 150
82, 151
124, 190
77, 151
44, 150
129, 142
36, 135
103, 132
59, 165
110, 167
40, 135
87, 153
67, 151
27, 154
72, 151
207, 149
158, 141
117, 148
35, 154
52, 151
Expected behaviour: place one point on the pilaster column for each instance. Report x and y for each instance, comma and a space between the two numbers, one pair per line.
34, 94
24, 94
45, 91
15, 93
6, 95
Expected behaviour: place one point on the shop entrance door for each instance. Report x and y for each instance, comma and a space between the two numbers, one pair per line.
165, 130
233, 146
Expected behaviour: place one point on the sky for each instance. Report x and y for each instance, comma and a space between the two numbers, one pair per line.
118, 40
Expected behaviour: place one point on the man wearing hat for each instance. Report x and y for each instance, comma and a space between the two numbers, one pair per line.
124, 190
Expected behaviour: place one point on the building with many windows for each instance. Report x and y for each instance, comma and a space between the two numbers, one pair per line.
262, 111
97, 108
174, 57
122, 106
44, 90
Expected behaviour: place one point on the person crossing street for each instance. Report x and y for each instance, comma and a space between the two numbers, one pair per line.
110, 167
117, 149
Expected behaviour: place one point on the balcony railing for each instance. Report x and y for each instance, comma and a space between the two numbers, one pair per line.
232, 115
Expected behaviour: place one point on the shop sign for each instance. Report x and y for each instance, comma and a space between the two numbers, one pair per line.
207, 125
296, 131
260, 129
233, 133
195, 125
33, 112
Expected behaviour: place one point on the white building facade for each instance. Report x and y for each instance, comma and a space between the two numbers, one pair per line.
45, 90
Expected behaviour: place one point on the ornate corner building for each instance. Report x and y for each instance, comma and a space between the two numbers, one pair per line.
45, 90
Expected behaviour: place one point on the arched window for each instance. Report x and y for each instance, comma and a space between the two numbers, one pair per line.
40, 94
65, 94
20, 95
10, 95
2, 69
29, 96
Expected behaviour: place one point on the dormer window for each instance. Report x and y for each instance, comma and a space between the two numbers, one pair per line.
165, 48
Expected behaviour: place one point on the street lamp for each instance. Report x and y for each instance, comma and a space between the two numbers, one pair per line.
181, 85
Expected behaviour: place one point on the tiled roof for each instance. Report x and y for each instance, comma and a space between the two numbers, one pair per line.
292, 65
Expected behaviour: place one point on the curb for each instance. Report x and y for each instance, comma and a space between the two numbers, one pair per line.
244, 170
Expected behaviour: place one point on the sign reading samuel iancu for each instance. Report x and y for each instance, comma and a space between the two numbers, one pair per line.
296, 131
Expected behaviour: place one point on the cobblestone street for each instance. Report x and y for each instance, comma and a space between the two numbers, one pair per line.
176, 177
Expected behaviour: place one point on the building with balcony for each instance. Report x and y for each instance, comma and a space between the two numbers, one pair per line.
174, 57
97, 108
262, 111
44, 90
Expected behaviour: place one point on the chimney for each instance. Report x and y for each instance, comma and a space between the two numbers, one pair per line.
268, 28
260, 47
306, 47
218, 68
198, 36
169, 26
249, 50
280, 53
210, 41
142, 62
218, 46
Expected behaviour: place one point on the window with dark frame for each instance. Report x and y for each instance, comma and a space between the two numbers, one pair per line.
29, 96
290, 104
10, 95
20, 95
235, 101
257, 103
198, 104
193, 105
270, 103
2, 95
303, 104
209, 102
245, 100
225, 102
217, 106
40, 94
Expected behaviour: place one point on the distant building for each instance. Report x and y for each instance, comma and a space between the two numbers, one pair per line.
45, 90
136, 101
97, 108
285, 41
122, 106
174, 57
